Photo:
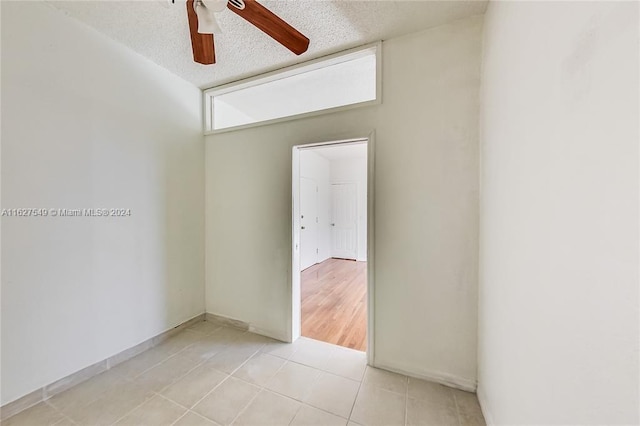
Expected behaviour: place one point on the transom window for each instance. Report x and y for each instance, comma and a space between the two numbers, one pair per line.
344, 80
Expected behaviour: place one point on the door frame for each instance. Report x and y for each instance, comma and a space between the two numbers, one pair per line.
315, 184
294, 323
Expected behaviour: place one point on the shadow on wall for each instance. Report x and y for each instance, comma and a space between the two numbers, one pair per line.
184, 224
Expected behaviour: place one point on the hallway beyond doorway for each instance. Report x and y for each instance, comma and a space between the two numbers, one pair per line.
334, 303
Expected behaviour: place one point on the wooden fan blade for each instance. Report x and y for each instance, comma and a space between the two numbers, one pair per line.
271, 24
202, 44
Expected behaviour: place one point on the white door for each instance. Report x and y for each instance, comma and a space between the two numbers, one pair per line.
344, 221
308, 222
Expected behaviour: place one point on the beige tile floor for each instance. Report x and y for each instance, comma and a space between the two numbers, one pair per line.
213, 375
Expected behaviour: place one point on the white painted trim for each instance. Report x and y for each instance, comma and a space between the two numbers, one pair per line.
484, 406
242, 325
371, 151
321, 62
341, 142
268, 333
288, 118
294, 323
226, 321
446, 379
350, 54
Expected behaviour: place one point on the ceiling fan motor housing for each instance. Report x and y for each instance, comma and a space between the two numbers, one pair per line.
238, 4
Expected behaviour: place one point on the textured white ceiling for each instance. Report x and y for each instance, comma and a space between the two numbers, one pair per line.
160, 32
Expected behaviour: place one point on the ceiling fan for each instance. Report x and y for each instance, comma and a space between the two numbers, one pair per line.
203, 25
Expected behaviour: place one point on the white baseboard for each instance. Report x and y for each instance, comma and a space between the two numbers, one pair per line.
232, 322
484, 406
450, 380
226, 321
14, 407
268, 333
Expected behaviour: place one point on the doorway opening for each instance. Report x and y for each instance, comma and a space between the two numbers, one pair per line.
331, 243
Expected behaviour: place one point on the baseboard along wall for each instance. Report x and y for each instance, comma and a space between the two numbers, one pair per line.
29, 400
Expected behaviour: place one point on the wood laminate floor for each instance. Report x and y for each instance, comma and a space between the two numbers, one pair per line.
334, 303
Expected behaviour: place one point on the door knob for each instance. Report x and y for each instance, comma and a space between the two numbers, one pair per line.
333, 224
302, 227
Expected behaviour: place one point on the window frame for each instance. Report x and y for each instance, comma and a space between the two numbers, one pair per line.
315, 64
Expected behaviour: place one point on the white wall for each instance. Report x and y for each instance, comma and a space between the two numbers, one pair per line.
315, 167
426, 207
355, 170
88, 124
559, 216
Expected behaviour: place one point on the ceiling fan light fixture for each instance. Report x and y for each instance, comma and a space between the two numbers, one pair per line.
215, 5
205, 10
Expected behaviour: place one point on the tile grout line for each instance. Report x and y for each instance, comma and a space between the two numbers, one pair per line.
208, 393
203, 417
156, 364
171, 400
259, 349
130, 411
154, 394
91, 401
316, 380
157, 393
169, 356
295, 415
247, 406
187, 410
182, 416
406, 403
48, 399
353, 406
263, 388
225, 379
57, 410
214, 423
324, 371
175, 402
455, 401
324, 410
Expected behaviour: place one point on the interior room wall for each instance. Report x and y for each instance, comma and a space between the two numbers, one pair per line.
355, 170
559, 214
426, 207
316, 167
86, 123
